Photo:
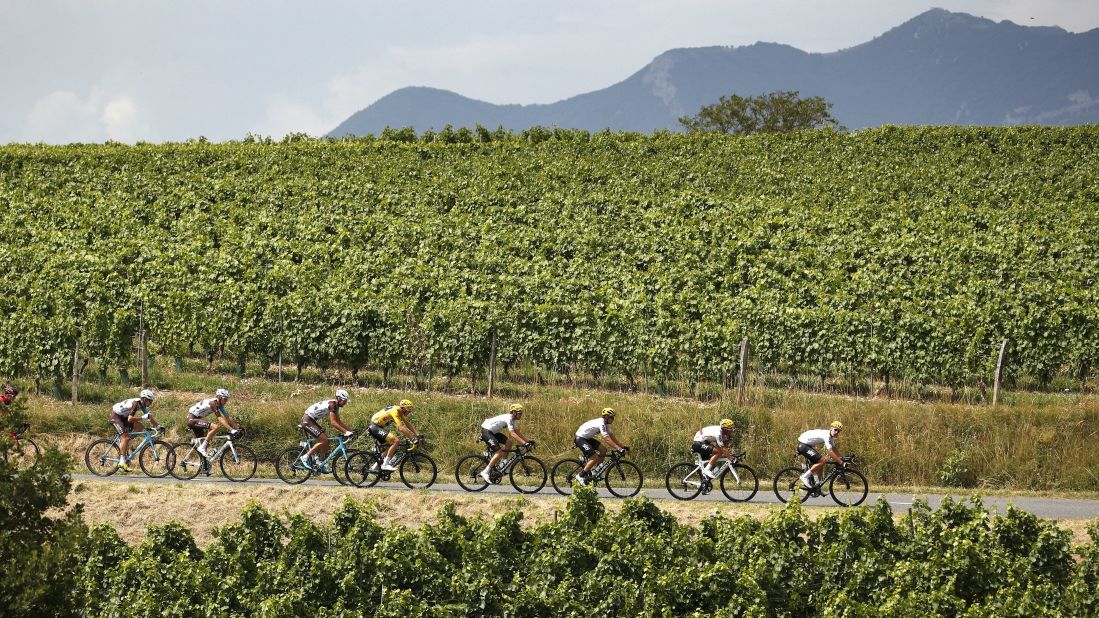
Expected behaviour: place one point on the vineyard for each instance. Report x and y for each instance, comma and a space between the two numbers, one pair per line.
903, 252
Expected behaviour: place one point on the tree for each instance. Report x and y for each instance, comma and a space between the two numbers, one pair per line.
776, 112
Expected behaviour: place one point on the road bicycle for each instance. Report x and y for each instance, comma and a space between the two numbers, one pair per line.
290, 468
737, 481
155, 456
25, 455
416, 469
622, 478
237, 462
846, 485
526, 472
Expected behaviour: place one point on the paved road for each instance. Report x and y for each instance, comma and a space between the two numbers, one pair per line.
1049, 508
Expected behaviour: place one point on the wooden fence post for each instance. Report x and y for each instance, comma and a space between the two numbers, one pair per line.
999, 372
492, 365
742, 375
76, 365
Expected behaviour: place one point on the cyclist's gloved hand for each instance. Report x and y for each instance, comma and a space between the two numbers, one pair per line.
348, 434
145, 416
530, 444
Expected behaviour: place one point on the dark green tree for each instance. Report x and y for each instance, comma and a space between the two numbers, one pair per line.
775, 112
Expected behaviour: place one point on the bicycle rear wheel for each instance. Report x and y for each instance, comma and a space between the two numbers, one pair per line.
102, 457
289, 467
623, 479
528, 475
564, 473
156, 459
418, 471
188, 461
237, 467
848, 487
739, 483
787, 484
339, 467
682, 482
363, 469
24, 457
468, 472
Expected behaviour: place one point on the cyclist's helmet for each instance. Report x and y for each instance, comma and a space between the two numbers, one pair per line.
148, 394
406, 406
342, 396
726, 424
221, 393
516, 409
11, 391
837, 425
607, 413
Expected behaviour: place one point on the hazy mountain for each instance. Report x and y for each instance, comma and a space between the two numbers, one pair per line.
939, 68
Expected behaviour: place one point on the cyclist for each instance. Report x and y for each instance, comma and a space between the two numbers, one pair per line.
491, 434
204, 429
399, 415
592, 449
314, 413
809, 442
126, 416
710, 442
10, 393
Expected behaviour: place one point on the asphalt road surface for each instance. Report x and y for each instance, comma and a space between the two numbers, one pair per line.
1048, 508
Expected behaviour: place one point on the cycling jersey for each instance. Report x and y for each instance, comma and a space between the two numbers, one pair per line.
123, 408
592, 427
496, 424
385, 416
318, 410
206, 407
711, 433
817, 437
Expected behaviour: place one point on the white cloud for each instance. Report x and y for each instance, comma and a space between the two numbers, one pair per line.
65, 117
122, 120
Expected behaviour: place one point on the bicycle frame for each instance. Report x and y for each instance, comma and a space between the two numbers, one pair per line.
340, 448
149, 434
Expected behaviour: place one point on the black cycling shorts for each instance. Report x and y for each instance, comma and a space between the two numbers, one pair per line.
120, 424
808, 452
310, 426
703, 448
378, 432
198, 426
588, 446
495, 441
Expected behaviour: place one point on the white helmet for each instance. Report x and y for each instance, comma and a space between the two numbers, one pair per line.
221, 392
148, 394
342, 395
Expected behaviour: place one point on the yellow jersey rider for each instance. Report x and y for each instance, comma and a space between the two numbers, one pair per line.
398, 415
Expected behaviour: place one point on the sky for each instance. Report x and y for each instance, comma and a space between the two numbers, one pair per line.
159, 70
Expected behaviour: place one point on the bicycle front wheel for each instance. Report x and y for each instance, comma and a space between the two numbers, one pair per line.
102, 457
156, 459
24, 457
682, 481
564, 473
238, 466
289, 467
188, 461
339, 467
363, 469
418, 471
788, 484
848, 487
468, 472
528, 475
623, 479
739, 483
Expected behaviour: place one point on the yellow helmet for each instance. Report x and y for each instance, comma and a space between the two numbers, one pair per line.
516, 409
406, 405
837, 425
607, 413
726, 423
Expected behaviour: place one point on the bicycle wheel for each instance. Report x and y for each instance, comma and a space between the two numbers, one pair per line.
788, 483
188, 461
289, 467
418, 471
156, 459
528, 475
739, 483
24, 457
623, 479
363, 469
102, 457
468, 472
683, 481
339, 467
848, 487
238, 467
564, 473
